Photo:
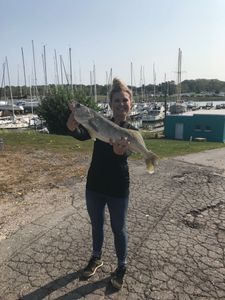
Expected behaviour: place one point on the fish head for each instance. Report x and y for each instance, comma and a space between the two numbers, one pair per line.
81, 112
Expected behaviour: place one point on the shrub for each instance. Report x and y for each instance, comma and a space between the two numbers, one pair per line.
55, 111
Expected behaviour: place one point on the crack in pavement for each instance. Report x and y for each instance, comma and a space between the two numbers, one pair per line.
167, 259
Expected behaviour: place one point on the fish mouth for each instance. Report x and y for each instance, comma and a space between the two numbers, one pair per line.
76, 104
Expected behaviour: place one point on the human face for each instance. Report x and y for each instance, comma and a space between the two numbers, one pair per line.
120, 105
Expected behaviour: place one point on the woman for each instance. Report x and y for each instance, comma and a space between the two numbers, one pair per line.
108, 184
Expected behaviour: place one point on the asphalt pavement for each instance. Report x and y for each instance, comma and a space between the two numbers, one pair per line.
176, 225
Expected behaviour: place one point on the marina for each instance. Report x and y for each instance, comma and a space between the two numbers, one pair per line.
147, 115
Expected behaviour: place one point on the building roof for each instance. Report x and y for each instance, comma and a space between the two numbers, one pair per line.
220, 112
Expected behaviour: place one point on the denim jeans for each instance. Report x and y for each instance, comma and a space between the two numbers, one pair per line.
117, 207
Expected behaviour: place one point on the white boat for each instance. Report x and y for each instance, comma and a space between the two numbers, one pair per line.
6, 108
105, 110
178, 108
20, 121
135, 112
155, 113
11, 122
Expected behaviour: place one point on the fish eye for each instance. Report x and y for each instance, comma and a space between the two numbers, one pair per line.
77, 105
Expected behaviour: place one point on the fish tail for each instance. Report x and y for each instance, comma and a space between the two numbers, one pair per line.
151, 161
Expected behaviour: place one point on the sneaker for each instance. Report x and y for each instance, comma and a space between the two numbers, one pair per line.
92, 267
117, 277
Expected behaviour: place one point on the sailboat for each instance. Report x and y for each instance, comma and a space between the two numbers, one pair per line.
155, 112
179, 107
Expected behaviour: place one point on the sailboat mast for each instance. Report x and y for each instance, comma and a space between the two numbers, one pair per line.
64, 68
35, 73
131, 76
31, 98
91, 93
43, 65
61, 70
56, 68
141, 84
179, 76
110, 78
143, 76
3, 81
45, 69
18, 81
71, 77
95, 88
10, 89
80, 80
24, 71
154, 80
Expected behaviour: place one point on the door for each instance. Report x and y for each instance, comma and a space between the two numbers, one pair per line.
179, 129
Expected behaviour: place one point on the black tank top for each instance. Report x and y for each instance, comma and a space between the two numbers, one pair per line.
108, 173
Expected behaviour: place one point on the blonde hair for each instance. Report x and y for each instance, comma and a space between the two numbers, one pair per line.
119, 86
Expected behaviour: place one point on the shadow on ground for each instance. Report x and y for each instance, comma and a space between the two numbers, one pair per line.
78, 293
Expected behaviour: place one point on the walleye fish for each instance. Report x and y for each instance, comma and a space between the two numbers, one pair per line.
104, 130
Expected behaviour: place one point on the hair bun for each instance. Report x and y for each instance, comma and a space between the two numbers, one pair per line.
119, 86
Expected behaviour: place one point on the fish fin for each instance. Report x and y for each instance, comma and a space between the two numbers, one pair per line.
151, 161
92, 134
92, 123
136, 134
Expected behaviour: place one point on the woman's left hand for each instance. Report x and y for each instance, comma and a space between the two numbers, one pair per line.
120, 146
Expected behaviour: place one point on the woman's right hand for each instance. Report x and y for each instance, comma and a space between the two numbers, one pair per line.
71, 123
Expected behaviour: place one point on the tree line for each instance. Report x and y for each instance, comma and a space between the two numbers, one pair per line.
187, 86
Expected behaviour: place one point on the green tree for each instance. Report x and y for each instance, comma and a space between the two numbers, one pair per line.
55, 111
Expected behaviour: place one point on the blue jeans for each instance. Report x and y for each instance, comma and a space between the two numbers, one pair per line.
118, 211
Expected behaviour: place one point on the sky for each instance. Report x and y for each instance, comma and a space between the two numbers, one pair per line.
112, 34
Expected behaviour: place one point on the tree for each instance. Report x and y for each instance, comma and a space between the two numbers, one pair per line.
55, 111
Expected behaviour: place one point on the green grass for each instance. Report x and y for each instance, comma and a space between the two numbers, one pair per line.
29, 140
169, 148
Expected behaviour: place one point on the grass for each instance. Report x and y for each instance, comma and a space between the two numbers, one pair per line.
169, 148
31, 140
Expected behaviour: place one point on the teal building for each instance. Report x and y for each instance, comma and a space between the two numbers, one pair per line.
205, 124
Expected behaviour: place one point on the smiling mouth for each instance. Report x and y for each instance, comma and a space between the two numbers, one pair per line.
121, 109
